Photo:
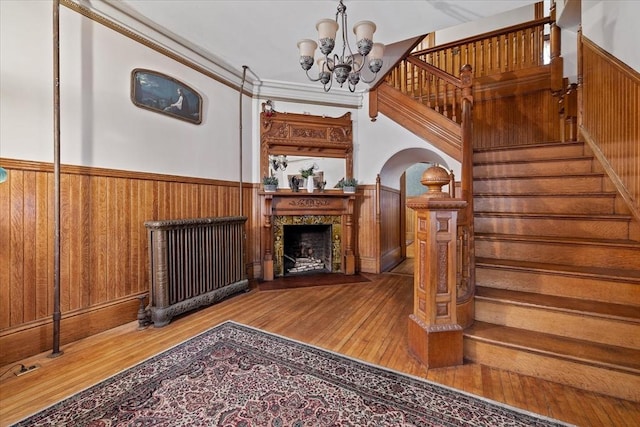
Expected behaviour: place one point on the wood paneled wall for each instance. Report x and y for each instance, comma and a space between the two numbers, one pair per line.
391, 238
104, 248
517, 108
378, 228
367, 230
610, 117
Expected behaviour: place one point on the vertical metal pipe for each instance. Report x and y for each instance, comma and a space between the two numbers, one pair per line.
56, 177
244, 76
241, 213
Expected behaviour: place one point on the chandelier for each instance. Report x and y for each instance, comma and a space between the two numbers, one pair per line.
348, 66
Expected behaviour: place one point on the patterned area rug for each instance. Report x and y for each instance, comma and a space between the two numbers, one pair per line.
234, 375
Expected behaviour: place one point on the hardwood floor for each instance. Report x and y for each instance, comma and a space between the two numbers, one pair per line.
367, 321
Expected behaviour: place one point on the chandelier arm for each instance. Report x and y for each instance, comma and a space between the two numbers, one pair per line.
331, 64
324, 86
311, 78
362, 79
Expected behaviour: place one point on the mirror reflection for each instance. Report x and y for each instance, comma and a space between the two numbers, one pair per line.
329, 170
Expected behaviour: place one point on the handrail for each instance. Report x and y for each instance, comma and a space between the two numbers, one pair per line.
433, 87
500, 51
437, 72
490, 34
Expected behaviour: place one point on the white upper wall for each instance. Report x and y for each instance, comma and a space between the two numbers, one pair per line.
100, 126
484, 25
613, 25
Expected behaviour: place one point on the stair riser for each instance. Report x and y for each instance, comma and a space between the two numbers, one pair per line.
627, 258
609, 382
557, 227
561, 285
555, 185
581, 166
554, 205
529, 153
570, 325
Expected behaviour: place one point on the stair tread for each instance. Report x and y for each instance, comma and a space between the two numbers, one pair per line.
620, 311
609, 356
533, 177
526, 146
626, 243
542, 194
593, 272
556, 216
545, 160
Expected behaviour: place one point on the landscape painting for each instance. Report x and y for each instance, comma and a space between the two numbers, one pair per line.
163, 94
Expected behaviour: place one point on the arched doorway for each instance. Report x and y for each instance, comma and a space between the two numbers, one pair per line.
403, 171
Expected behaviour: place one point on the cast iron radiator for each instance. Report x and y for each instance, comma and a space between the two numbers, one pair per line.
194, 262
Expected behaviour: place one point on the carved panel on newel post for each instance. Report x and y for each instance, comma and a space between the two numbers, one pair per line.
435, 337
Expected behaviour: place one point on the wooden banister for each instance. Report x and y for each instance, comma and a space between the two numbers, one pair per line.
504, 50
484, 36
435, 71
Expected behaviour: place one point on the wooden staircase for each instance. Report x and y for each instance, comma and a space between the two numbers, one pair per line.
557, 270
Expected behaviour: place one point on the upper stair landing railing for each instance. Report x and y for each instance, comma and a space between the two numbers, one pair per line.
429, 85
500, 51
432, 76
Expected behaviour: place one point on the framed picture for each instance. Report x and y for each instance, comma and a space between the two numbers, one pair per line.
165, 95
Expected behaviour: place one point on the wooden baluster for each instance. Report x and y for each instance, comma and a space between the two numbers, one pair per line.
454, 108
445, 99
429, 87
437, 94
421, 85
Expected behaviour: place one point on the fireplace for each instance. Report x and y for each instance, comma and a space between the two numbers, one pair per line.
307, 244
296, 222
307, 249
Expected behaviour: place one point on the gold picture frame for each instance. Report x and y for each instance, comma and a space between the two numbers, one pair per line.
163, 94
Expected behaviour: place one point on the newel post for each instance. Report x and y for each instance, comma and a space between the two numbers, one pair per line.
435, 337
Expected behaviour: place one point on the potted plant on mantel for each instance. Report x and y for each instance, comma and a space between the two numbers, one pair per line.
270, 184
348, 185
307, 173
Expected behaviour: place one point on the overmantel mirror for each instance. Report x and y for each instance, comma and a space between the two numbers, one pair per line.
291, 142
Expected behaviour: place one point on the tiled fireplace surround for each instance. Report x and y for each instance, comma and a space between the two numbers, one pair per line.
289, 209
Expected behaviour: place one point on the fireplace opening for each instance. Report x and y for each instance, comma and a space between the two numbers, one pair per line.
307, 249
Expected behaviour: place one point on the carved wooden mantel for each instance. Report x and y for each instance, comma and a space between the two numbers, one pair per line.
314, 136
305, 134
287, 203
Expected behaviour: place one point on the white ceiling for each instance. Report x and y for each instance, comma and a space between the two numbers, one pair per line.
262, 34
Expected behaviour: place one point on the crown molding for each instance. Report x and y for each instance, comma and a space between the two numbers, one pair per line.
126, 21
307, 93
120, 18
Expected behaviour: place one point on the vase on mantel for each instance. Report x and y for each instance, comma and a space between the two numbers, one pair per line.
310, 184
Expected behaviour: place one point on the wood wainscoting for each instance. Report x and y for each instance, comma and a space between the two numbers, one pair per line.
610, 99
515, 108
104, 248
379, 238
